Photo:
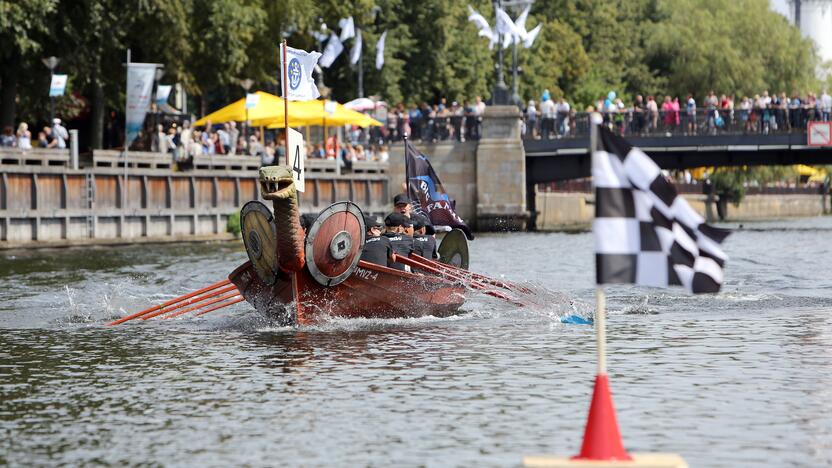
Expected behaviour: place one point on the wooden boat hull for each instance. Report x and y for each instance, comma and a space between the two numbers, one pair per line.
371, 291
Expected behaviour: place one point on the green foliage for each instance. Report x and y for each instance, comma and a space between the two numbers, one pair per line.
233, 224
729, 183
586, 48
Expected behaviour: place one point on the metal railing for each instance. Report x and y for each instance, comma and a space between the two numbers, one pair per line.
704, 122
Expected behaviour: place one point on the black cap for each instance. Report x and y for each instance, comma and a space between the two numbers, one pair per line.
420, 221
371, 222
401, 199
395, 220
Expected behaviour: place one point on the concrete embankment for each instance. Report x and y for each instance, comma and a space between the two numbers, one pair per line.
565, 211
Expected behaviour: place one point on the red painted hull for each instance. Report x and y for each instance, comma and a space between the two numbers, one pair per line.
372, 291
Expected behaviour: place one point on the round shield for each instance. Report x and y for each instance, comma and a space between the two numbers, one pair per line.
260, 239
334, 243
454, 249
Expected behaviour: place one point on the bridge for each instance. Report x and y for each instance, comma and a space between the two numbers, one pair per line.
567, 157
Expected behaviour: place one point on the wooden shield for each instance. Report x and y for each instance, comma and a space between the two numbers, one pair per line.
454, 249
334, 243
260, 239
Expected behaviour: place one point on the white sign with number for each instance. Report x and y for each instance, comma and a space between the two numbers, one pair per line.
819, 134
297, 154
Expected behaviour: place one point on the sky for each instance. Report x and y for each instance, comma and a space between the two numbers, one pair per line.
780, 6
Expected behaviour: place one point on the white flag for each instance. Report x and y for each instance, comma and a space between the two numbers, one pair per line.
347, 28
490, 35
531, 36
380, 51
300, 86
505, 25
355, 53
332, 50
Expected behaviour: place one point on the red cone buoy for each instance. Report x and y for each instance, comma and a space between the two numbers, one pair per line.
602, 440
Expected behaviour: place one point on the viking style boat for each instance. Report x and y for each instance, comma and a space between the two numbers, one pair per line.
301, 276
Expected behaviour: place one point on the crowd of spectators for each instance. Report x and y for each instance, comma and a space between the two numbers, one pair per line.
431, 122
54, 136
761, 113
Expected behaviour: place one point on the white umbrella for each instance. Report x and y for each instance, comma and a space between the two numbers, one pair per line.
361, 104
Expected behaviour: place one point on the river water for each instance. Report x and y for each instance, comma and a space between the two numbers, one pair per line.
743, 378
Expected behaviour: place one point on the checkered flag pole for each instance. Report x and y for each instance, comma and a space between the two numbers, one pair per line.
645, 233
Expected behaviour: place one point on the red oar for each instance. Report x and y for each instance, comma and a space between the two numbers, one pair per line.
446, 274
476, 276
171, 302
193, 300
230, 295
225, 304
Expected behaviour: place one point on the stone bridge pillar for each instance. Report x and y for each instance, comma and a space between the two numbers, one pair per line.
501, 171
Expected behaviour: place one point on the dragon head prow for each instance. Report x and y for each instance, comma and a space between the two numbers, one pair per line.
276, 182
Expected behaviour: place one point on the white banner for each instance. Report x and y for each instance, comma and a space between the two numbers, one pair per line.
58, 85
355, 54
139, 88
162, 93
380, 50
332, 50
347, 26
297, 154
300, 64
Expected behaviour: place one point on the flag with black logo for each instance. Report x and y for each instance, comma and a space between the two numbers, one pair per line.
427, 194
645, 233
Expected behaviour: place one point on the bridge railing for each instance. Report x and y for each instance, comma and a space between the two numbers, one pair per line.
629, 122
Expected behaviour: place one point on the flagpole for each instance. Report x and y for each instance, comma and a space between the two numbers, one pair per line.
406, 174
284, 74
600, 298
126, 151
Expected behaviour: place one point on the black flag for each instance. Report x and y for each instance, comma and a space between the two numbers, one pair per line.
427, 194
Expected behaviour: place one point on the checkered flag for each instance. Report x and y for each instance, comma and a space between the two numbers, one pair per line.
644, 232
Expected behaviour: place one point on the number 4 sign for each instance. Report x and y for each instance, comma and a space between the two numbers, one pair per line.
297, 155
819, 134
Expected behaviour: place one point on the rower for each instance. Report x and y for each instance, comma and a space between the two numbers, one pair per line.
424, 240
402, 204
377, 248
401, 243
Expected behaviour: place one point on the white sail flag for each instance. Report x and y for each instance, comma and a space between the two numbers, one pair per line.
355, 53
347, 26
332, 50
300, 85
531, 36
380, 50
140, 78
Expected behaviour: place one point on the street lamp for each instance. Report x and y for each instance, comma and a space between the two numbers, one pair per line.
500, 94
51, 63
246, 84
160, 72
515, 69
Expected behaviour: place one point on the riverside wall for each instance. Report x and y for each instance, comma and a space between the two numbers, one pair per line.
44, 201
568, 210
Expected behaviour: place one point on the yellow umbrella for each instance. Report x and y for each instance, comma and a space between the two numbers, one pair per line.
805, 170
269, 107
315, 113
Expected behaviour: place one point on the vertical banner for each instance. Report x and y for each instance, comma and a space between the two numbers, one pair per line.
140, 78
58, 85
297, 153
162, 93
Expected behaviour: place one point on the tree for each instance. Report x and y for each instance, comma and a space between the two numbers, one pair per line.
22, 26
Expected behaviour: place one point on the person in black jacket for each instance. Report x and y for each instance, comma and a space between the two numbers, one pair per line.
401, 243
424, 240
377, 248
